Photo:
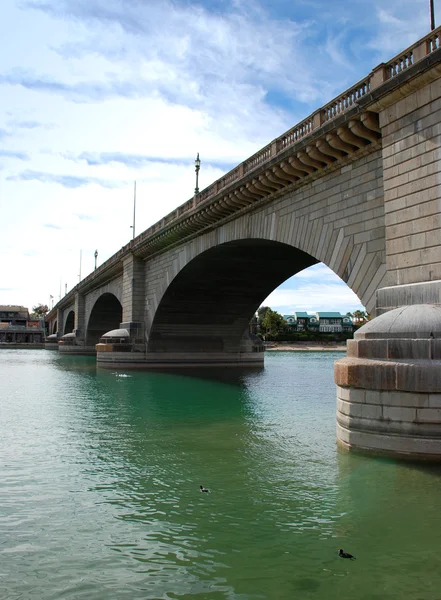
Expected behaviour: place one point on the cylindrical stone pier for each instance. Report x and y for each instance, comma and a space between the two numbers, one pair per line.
389, 385
117, 350
69, 344
51, 342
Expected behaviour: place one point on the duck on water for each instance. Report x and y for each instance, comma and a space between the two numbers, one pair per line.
345, 554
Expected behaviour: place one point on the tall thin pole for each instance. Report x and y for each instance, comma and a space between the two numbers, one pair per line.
432, 15
197, 166
81, 256
134, 209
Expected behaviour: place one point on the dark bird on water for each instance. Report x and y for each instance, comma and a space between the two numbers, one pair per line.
203, 489
345, 554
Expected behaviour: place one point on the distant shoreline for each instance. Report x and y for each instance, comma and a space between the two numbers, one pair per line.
304, 347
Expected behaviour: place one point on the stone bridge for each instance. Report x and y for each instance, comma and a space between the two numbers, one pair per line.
356, 185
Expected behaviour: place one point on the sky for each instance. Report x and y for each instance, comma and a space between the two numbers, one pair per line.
95, 94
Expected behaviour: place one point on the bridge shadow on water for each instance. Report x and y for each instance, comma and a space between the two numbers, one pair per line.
231, 376
227, 375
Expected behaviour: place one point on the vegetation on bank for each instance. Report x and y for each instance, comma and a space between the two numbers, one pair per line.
40, 310
307, 336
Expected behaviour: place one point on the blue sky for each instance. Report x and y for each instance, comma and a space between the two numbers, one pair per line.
95, 94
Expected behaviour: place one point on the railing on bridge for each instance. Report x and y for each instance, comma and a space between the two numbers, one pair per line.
347, 100
295, 134
331, 110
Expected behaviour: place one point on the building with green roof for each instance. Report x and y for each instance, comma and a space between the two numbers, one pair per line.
321, 321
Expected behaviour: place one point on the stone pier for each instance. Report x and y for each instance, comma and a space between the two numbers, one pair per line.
389, 385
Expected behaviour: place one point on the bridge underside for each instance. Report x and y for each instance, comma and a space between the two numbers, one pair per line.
106, 315
203, 318
208, 307
70, 323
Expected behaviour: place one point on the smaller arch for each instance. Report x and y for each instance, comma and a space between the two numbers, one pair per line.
69, 323
106, 315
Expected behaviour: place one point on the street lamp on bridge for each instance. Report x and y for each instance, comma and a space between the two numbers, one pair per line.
432, 15
96, 256
197, 166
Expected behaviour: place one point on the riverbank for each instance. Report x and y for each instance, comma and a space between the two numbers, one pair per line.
304, 347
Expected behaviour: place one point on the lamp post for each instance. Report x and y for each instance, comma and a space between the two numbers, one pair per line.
197, 166
432, 15
134, 211
96, 256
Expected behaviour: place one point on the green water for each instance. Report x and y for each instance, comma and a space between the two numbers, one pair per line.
100, 475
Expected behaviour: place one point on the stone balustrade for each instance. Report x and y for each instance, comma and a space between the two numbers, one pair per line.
433, 41
342, 103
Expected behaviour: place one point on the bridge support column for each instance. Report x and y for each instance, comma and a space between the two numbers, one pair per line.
389, 385
126, 346
74, 343
51, 341
411, 148
133, 300
59, 328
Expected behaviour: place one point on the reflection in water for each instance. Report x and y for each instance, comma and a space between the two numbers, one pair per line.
100, 476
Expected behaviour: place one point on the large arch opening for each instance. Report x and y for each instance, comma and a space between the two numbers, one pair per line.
70, 323
106, 315
316, 289
209, 304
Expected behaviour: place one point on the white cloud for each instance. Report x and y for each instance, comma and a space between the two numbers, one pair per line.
312, 298
318, 272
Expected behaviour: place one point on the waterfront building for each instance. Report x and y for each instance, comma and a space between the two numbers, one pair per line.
291, 320
330, 322
302, 320
322, 322
14, 315
18, 329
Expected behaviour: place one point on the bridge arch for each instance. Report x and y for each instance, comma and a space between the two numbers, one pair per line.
208, 305
106, 314
69, 323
